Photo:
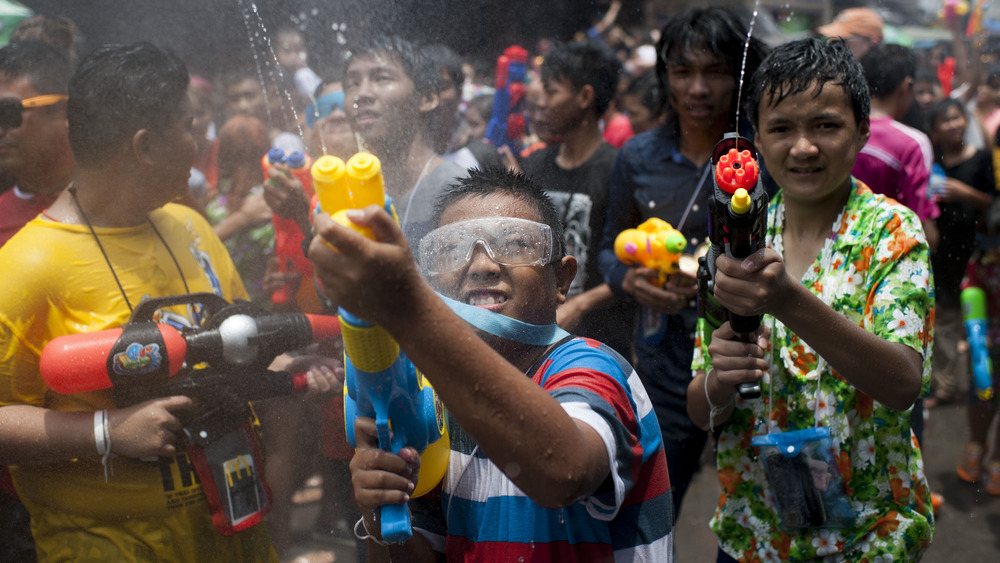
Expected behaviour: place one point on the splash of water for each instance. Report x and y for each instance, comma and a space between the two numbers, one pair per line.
268, 69
743, 65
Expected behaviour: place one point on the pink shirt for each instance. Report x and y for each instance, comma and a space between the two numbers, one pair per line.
897, 162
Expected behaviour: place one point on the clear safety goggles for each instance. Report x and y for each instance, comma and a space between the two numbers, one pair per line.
507, 240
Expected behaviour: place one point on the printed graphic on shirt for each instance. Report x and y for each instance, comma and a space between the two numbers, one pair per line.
575, 210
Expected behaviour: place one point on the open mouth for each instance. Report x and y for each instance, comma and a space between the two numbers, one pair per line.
486, 300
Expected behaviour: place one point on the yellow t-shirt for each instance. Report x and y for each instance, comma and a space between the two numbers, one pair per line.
57, 282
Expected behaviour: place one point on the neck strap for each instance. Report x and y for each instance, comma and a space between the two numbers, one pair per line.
506, 327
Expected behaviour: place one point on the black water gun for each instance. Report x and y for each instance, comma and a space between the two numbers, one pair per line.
737, 228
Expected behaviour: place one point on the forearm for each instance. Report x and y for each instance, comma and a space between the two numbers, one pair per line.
698, 397
30, 434
889, 372
521, 428
232, 224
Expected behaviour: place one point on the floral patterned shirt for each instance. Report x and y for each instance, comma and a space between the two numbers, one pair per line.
250, 248
874, 270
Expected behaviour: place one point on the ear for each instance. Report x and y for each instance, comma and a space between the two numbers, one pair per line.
429, 101
585, 96
865, 131
565, 272
143, 147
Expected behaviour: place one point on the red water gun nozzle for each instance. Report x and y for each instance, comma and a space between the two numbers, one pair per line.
735, 170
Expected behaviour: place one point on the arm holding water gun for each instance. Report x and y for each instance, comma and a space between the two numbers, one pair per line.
637, 281
491, 254
380, 382
287, 190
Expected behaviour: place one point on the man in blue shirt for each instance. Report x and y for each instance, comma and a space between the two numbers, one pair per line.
664, 173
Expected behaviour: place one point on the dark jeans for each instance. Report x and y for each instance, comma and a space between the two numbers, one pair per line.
683, 460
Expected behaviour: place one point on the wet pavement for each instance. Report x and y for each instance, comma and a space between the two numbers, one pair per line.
967, 528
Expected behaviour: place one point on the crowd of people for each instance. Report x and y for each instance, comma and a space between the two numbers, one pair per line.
579, 390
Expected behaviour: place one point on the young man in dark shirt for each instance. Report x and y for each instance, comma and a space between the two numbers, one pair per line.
579, 81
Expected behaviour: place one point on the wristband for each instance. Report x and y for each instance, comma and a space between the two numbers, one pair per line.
712, 409
368, 535
102, 440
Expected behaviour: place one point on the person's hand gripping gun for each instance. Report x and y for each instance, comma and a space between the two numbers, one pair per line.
380, 381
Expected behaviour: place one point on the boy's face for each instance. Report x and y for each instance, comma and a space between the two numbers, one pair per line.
925, 93
175, 150
246, 98
640, 117
476, 123
701, 89
809, 142
290, 50
380, 99
562, 107
528, 293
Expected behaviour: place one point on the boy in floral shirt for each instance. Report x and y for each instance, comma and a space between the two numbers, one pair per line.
844, 346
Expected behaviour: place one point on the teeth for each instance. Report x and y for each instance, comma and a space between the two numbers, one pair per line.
481, 300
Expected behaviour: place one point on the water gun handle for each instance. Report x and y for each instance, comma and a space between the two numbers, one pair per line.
976, 323
738, 212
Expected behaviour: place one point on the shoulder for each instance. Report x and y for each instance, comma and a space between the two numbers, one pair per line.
587, 355
541, 158
652, 144
871, 212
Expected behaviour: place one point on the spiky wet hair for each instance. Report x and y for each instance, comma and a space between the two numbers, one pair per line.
483, 182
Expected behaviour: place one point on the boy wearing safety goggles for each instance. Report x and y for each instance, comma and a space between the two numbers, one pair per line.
556, 453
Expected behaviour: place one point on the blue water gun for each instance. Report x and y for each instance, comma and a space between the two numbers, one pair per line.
974, 313
380, 381
507, 125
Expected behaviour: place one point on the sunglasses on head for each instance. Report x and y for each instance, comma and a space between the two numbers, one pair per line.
12, 108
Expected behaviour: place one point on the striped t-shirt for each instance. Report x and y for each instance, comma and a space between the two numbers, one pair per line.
629, 518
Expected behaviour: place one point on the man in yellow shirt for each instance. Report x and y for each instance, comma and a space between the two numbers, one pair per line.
109, 242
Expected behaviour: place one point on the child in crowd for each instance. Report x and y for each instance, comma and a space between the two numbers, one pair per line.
555, 449
844, 347
984, 272
967, 190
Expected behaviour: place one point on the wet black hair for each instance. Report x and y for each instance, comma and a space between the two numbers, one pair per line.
483, 105
796, 66
46, 67
443, 58
718, 29
886, 67
483, 182
585, 62
924, 74
646, 87
119, 90
411, 57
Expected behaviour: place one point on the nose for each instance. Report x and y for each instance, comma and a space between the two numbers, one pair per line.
699, 84
803, 146
481, 264
361, 92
